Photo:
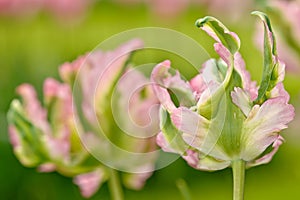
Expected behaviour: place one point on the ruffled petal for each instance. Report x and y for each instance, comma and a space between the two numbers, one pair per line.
261, 127
268, 157
165, 82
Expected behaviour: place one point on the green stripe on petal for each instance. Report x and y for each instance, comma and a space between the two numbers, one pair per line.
273, 71
219, 32
172, 135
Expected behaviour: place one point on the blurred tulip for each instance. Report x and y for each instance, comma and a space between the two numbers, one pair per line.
220, 118
64, 9
52, 138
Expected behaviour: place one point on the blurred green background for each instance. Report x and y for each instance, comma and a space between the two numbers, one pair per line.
32, 48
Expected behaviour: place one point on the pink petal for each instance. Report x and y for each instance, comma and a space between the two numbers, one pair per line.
137, 181
192, 158
90, 182
47, 167
268, 157
99, 73
161, 93
14, 137
193, 126
162, 142
224, 53
68, 71
59, 147
167, 8
210, 73
248, 85
138, 107
61, 94
279, 91
198, 85
203, 162
33, 108
263, 124
242, 100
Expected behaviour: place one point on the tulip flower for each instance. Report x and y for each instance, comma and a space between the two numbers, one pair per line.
220, 118
51, 137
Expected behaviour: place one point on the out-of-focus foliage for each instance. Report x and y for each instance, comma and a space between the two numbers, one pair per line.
32, 48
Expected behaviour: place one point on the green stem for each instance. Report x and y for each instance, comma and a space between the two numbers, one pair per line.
114, 185
184, 190
238, 170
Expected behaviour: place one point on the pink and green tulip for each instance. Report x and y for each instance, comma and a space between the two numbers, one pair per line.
220, 118
49, 136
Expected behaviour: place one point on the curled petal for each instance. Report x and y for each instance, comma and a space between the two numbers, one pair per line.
164, 82
220, 33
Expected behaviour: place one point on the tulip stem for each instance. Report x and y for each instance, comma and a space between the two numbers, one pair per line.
114, 185
238, 170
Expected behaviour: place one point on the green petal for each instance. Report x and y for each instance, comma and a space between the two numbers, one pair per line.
272, 67
219, 32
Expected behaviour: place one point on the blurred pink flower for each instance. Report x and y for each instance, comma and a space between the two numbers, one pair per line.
19, 7
51, 137
67, 9
165, 9
168, 8
232, 9
64, 9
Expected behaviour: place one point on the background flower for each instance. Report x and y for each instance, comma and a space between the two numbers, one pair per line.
51, 137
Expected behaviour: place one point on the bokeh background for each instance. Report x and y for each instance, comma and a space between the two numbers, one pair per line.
35, 38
